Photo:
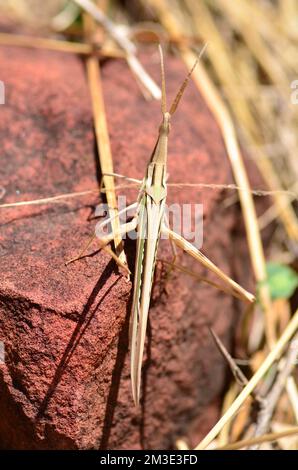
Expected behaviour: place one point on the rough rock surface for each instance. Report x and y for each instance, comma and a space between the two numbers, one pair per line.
65, 381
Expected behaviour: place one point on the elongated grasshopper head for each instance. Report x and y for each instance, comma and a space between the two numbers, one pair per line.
160, 152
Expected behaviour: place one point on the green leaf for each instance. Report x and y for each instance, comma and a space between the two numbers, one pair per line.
282, 280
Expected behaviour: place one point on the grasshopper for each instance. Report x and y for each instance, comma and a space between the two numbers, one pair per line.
149, 221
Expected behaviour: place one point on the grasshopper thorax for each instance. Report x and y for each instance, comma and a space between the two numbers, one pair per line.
165, 126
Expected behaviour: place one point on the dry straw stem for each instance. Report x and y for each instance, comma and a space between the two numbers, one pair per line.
116, 33
241, 380
244, 394
219, 56
234, 288
271, 26
103, 143
198, 278
282, 201
275, 436
62, 197
223, 437
226, 125
34, 42
235, 369
65, 18
181, 445
225, 67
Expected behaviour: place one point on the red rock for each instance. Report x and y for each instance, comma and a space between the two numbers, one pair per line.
65, 382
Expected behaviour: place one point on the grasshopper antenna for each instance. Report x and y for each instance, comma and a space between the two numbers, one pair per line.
163, 82
185, 82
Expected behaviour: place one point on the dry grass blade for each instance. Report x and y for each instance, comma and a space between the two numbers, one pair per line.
239, 14
224, 435
241, 381
282, 201
271, 400
253, 382
235, 369
278, 210
225, 122
20, 40
103, 143
181, 445
224, 67
61, 197
293, 395
47, 200
124, 43
34, 42
255, 192
275, 436
249, 84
